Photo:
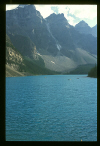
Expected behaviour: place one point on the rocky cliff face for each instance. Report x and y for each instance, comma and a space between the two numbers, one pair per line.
69, 37
28, 22
53, 39
19, 65
13, 58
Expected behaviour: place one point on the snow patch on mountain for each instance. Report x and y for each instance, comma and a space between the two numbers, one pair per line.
52, 62
58, 46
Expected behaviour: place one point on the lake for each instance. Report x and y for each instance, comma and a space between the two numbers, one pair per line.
51, 108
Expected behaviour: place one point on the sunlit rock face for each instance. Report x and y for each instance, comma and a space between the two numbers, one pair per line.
13, 58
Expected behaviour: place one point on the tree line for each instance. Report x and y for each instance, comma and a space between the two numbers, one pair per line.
93, 72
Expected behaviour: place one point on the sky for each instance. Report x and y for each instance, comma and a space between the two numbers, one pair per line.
73, 13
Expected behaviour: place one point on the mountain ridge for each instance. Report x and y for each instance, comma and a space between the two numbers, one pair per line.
84, 28
58, 43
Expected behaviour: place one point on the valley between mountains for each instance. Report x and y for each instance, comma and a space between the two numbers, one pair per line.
37, 46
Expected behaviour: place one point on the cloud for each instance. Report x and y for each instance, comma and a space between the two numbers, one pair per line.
10, 7
73, 13
55, 9
83, 11
45, 10
80, 11
71, 20
88, 13
76, 13
63, 9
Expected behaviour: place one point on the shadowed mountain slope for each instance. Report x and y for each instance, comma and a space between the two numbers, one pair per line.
59, 45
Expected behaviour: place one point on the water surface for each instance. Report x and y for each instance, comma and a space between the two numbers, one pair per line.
51, 108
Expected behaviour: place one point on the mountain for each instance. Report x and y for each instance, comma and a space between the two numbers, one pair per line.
58, 45
19, 65
28, 22
82, 69
68, 37
94, 31
84, 28
13, 58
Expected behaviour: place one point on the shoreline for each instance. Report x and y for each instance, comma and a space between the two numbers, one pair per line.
45, 75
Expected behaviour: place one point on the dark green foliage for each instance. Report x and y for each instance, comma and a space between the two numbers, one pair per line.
93, 72
35, 69
39, 61
82, 69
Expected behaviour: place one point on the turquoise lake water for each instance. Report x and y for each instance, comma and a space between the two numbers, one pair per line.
51, 108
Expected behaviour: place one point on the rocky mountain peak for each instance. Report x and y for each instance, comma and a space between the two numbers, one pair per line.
22, 6
23, 16
82, 24
21, 11
26, 6
83, 27
57, 18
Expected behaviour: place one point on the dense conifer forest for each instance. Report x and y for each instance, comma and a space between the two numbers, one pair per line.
93, 72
